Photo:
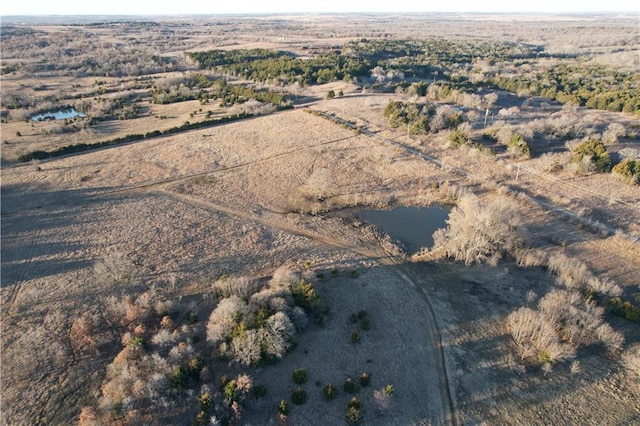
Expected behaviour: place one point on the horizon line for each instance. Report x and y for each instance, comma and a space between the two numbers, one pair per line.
569, 12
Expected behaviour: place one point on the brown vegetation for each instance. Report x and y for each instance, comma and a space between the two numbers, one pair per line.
114, 260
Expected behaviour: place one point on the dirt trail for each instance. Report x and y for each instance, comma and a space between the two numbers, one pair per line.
376, 253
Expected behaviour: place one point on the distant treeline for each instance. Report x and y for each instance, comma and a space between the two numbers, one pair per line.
401, 62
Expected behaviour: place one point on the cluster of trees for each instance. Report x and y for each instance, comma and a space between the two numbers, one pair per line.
281, 68
421, 118
253, 324
201, 87
596, 87
563, 321
424, 58
82, 52
165, 359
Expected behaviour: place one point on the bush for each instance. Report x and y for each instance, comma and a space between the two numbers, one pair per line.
299, 396
355, 337
353, 416
330, 392
354, 402
458, 138
563, 321
382, 398
350, 386
300, 376
624, 309
593, 155
518, 147
365, 380
259, 391
283, 408
629, 170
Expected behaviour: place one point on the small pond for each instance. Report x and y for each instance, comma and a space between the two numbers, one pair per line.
412, 226
61, 114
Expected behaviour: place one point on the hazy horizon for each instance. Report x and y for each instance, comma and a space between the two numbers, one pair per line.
247, 7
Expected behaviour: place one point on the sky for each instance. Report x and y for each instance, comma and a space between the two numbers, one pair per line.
172, 7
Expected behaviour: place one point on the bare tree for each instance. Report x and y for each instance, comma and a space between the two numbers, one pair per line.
478, 233
222, 319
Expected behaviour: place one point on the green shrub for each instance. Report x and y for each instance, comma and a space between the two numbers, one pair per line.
355, 337
458, 138
305, 295
230, 391
365, 324
624, 309
594, 152
178, 379
629, 170
330, 392
354, 402
388, 390
353, 416
299, 396
283, 408
544, 357
350, 386
519, 147
260, 391
300, 376
365, 380
205, 401
136, 342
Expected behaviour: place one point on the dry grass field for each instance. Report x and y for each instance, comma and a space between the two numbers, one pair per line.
98, 246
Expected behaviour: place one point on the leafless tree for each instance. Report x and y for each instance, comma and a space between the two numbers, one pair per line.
478, 233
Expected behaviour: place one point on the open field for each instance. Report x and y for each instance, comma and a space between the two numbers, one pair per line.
171, 214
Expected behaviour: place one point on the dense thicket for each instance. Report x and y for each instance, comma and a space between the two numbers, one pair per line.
265, 66
200, 87
595, 87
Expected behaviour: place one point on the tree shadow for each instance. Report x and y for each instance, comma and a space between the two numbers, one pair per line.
489, 381
30, 218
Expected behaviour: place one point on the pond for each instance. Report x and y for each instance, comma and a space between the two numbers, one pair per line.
412, 226
61, 114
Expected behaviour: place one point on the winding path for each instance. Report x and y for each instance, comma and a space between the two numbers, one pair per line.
376, 253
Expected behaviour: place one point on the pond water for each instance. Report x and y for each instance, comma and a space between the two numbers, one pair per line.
412, 226
61, 114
